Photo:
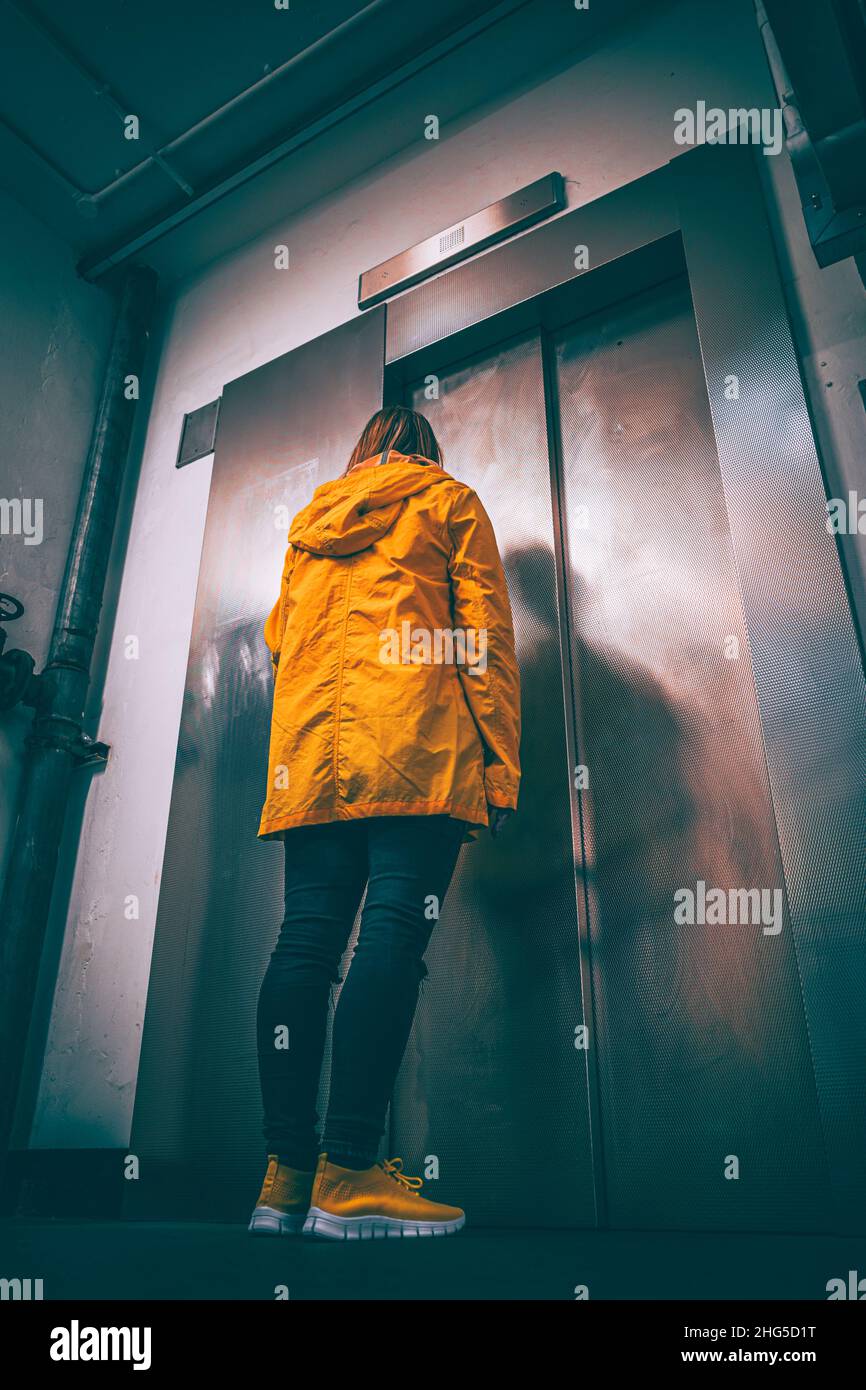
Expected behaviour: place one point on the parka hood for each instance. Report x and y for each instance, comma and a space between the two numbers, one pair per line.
351, 513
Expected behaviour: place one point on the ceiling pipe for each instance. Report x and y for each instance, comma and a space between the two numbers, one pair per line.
322, 42
778, 72
57, 743
89, 200
101, 90
95, 265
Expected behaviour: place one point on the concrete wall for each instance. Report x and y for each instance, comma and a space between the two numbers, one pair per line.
51, 369
603, 122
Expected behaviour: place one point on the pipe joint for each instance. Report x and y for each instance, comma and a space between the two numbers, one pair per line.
65, 735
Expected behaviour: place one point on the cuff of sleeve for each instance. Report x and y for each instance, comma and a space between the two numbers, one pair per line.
500, 789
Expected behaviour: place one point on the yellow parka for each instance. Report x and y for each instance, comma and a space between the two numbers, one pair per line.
396, 687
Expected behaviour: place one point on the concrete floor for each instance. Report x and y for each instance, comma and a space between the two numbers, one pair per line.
168, 1260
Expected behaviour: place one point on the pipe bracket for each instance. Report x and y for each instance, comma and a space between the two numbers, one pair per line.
59, 732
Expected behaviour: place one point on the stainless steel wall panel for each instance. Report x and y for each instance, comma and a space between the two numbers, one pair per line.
807, 662
702, 1041
284, 429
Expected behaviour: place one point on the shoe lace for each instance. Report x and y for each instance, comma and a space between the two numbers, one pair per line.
394, 1168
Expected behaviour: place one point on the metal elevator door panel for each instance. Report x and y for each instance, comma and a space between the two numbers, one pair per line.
703, 1052
492, 1083
198, 1114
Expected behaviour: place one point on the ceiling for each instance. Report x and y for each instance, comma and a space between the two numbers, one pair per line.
245, 112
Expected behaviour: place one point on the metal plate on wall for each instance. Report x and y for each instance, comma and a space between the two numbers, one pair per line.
198, 434
475, 233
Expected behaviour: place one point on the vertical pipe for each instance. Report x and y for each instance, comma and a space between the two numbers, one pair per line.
55, 743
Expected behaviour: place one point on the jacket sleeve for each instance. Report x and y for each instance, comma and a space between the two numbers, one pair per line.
491, 682
275, 623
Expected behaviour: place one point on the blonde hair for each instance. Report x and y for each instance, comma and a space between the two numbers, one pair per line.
396, 427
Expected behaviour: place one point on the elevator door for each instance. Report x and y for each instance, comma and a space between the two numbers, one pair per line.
706, 1112
493, 1082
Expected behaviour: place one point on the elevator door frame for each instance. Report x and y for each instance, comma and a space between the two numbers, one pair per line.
703, 215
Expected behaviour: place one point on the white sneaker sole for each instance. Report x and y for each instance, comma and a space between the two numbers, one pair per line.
329, 1227
267, 1221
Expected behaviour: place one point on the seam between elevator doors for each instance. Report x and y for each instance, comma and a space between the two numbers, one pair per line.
573, 740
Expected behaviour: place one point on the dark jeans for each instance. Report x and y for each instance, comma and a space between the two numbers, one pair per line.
406, 864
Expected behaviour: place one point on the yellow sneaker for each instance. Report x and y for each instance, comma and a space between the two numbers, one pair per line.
373, 1204
283, 1201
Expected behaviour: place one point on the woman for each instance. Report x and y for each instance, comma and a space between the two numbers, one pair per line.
395, 730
